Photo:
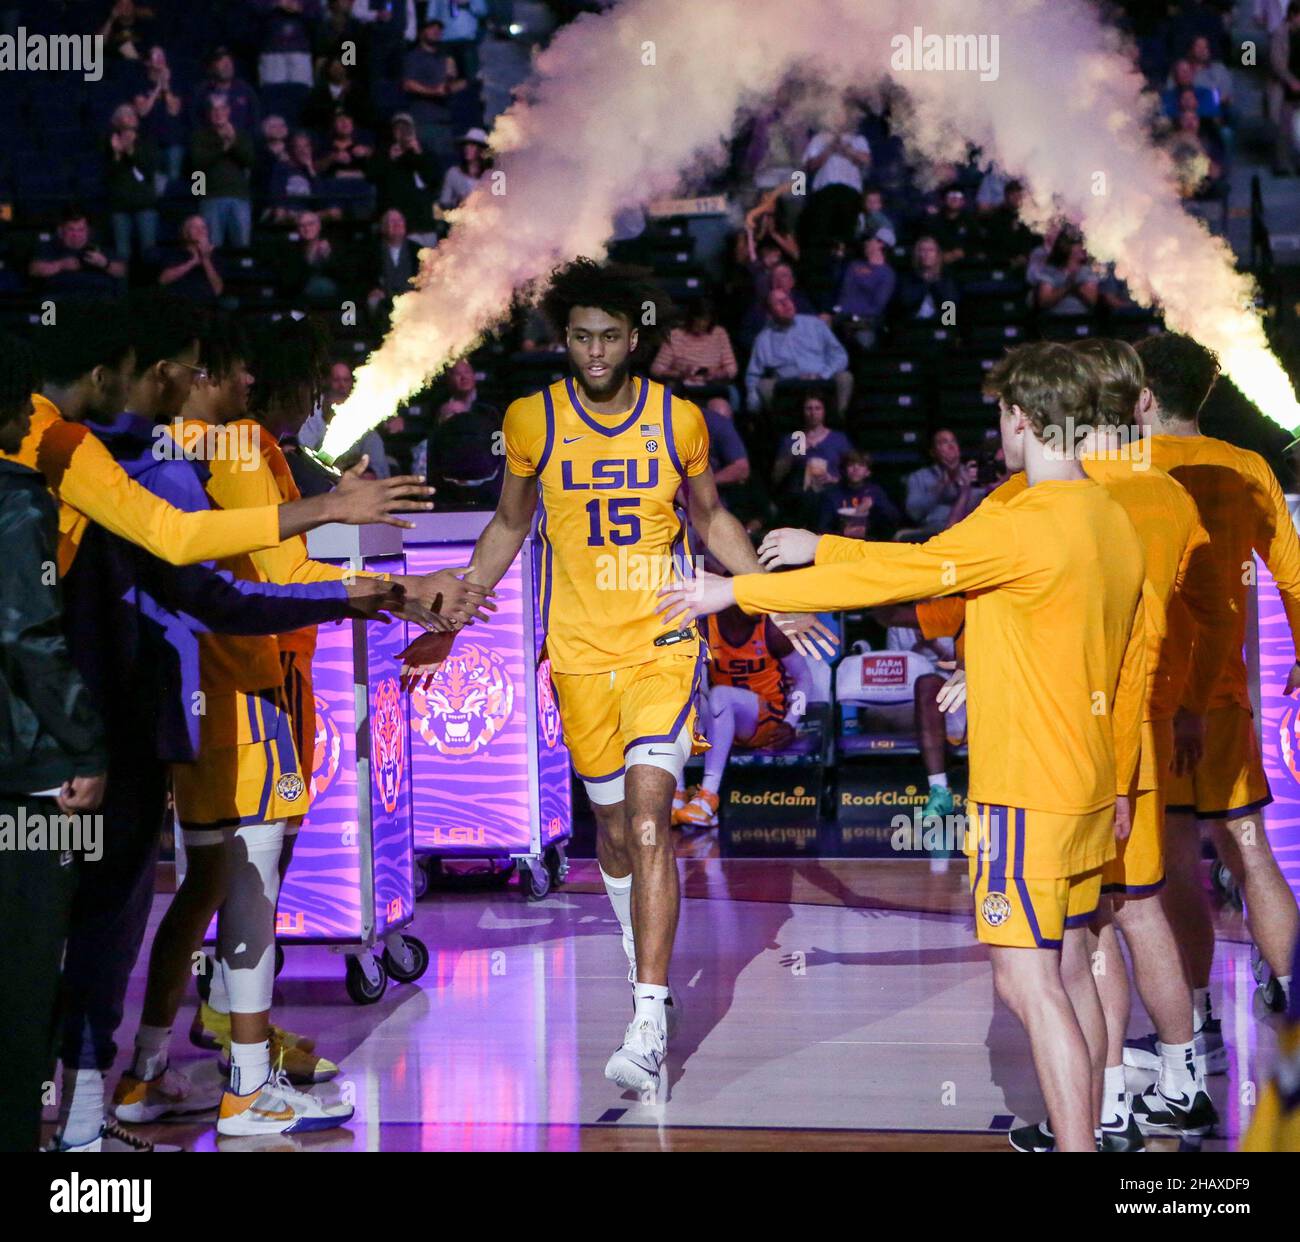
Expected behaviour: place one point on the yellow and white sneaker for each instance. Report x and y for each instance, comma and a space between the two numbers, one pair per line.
680, 798
300, 1067
700, 812
171, 1094
277, 1108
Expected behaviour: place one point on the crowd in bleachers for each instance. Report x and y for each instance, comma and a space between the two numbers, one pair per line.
330, 137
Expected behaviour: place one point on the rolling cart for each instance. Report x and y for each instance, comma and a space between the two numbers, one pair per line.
490, 771
351, 883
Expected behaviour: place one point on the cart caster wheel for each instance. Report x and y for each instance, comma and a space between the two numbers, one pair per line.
365, 979
421, 879
1224, 885
419, 961
279, 959
557, 864
535, 881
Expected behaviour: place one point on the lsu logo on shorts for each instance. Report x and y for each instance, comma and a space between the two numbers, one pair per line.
290, 787
995, 909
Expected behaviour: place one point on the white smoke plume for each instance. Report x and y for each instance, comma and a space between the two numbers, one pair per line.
620, 105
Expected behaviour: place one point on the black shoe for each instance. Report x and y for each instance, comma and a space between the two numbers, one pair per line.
1032, 1138
1128, 1139
1155, 1111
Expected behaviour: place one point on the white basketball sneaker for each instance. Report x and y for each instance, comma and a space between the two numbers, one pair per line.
277, 1108
639, 1064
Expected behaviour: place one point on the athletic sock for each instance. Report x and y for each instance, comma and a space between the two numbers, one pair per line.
1202, 1007
1114, 1100
619, 891
218, 997
938, 778
250, 1066
1178, 1070
650, 999
82, 1109
151, 1051
1285, 981
712, 781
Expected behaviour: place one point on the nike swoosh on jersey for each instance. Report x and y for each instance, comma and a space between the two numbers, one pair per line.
572, 439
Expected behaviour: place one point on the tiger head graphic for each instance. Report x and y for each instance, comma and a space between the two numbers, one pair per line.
548, 713
327, 749
467, 702
387, 742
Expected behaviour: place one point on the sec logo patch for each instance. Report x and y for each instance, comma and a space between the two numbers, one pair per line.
995, 909
290, 787
652, 446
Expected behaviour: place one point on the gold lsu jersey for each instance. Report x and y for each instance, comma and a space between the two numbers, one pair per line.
612, 533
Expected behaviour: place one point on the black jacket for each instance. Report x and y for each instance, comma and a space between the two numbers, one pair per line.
49, 731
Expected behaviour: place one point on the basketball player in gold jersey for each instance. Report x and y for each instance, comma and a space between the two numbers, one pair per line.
608, 453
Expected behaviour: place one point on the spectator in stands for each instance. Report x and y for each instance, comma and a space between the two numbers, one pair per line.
1113, 293
865, 292
286, 40
927, 291
338, 27
311, 434
1284, 88
336, 90
296, 183
944, 492
462, 179
462, 30
192, 269
1008, 240
162, 114
1211, 74
223, 153
538, 334
874, 222
795, 348
315, 275
245, 112
72, 263
406, 177
1198, 156
1183, 78
429, 79
780, 276
809, 461
396, 261
836, 162
346, 155
129, 181
992, 191
857, 507
273, 152
1066, 284
953, 228
459, 457
698, 354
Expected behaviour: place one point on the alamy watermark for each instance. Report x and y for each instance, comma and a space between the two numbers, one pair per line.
951, 53
24, 52
239, 442
66, 834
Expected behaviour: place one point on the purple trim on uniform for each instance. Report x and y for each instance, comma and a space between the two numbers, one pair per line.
547, 567
979, 860
598, 780
998, 863
1133, 890
1023, 889
264, 803
681, 715
1232, 812
283, 736
670, 441
254, 731
591, 422
1078, 920
549, 406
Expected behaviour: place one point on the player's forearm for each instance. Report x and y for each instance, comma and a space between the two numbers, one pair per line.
297, 517
495, 551
728, 542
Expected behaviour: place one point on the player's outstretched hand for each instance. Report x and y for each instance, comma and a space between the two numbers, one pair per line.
811, 637
372, 599
423, 657
1189, 741
788, 546
681, 602
359, 501
952, 694
463, 602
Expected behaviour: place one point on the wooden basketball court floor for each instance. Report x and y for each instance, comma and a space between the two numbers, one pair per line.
827, 1005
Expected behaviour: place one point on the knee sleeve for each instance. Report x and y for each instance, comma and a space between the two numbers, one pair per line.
246, 922
670, 756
